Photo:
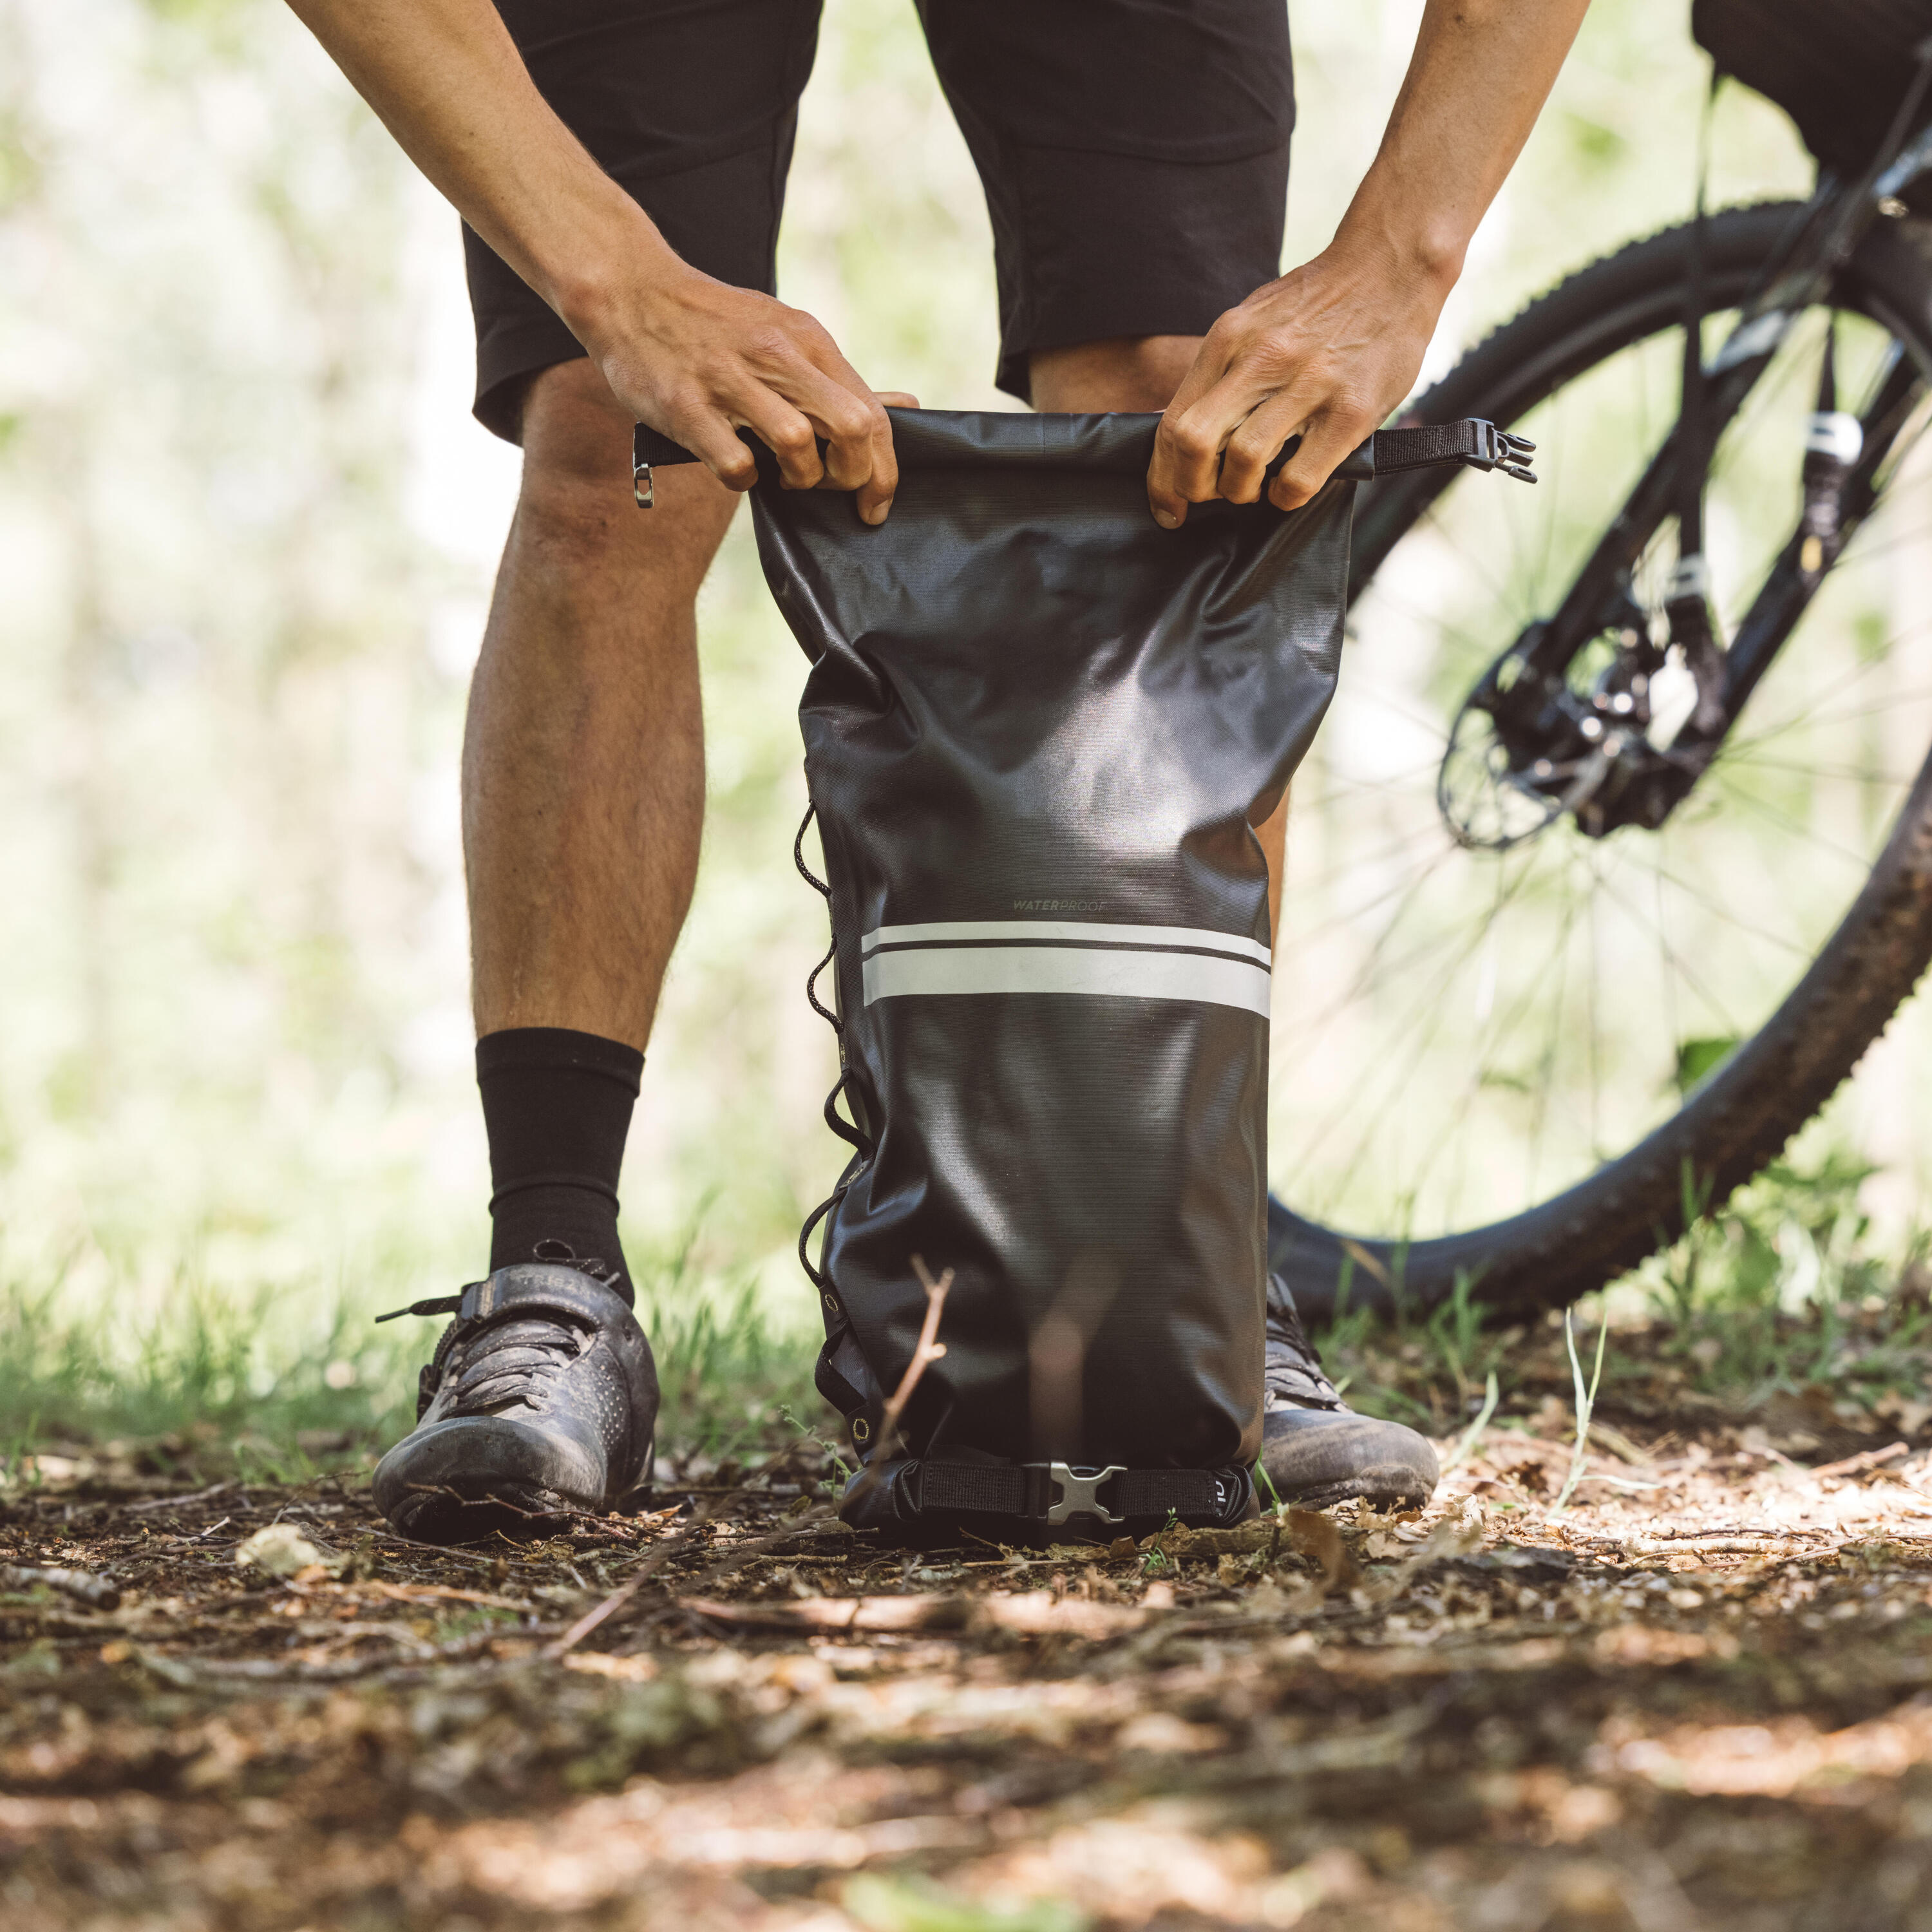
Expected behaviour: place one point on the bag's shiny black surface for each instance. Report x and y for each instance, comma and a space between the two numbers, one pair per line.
1038, 733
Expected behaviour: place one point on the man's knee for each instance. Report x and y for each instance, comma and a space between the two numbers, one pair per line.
575, 505
1120, 372
573, 427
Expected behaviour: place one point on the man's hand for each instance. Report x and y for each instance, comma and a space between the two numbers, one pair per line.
1324, 353
695, 358
1328, 352
699, 359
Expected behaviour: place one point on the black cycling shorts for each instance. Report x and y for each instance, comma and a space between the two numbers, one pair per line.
1134, 154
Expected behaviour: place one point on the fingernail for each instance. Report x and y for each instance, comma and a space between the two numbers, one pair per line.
876, 514
1167, 520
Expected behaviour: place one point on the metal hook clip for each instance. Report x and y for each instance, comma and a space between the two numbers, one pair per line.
641, 486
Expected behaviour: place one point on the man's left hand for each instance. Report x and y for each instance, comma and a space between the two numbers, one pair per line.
1325, 353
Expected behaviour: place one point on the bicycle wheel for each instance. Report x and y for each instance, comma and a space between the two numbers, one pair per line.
1515, 1065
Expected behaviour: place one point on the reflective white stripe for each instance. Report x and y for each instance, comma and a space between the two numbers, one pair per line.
1058, 928
1064, 969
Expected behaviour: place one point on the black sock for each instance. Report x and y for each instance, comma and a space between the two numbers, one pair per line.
556, 1106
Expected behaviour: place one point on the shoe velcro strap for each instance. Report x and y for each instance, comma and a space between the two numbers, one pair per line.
536, 1288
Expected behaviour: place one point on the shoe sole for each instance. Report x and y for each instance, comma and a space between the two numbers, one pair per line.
1383, 1496
459, 1512
1321, 1462
472, 1477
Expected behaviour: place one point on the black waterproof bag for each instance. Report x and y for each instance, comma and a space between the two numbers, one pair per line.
1040, 731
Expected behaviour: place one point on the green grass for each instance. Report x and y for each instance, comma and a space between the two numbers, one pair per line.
275, 1383
196, 1377
729, 1364
1781, 1292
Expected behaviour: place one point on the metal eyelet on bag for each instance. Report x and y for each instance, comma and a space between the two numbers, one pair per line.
862, 1430
831, 1304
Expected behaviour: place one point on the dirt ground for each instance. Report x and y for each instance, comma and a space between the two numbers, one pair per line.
1700, 1696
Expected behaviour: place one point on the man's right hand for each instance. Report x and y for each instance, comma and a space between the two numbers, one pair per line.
697, 359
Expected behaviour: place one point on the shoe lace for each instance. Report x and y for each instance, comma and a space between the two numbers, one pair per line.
1292, 1372
509, 1364
500, 1364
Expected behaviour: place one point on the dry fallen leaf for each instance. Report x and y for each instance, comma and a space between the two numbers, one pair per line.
282, 1550
1315, 1535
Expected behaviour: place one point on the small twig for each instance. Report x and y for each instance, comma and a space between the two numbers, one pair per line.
783, 1492
565, 1514
177, 1502
1872, 1459
94, 1591
928, 1349
201, 1534
652, 1563
820, 1516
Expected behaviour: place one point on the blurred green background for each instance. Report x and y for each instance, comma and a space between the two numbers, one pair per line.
246, 534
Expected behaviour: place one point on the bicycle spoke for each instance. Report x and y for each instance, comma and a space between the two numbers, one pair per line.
1410, 1051
1707, 905
1477, 1028
1694, 981
1852, 774
1546, 1086
1862, 860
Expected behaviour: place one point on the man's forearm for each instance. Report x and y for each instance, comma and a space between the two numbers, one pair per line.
448, 83
694, 357
1480, 72
1326, 352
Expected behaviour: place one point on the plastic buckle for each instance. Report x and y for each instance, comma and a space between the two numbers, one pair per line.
1077, 1491
1497, 449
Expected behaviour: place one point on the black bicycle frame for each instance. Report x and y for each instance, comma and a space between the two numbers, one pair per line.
1542, 720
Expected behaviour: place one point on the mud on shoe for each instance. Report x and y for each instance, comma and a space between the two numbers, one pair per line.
1315, 1450
541, 1398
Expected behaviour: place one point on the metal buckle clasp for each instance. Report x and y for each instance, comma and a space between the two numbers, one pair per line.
641, 485
1077, 1492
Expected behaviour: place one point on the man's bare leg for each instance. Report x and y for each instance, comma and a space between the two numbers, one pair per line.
583, 759
583, 800
583, 803
1141, 372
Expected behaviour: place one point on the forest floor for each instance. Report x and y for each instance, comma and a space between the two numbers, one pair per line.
1698, 1696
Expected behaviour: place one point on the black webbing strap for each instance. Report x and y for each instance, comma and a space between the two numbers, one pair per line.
1418, 448
1156, 1492
1030, 1490
1480, 444
993, 1490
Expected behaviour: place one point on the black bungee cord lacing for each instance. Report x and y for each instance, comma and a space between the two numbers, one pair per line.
847, 1131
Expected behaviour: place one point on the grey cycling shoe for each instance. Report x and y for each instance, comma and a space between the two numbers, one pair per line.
1315, 1450
541, 1399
